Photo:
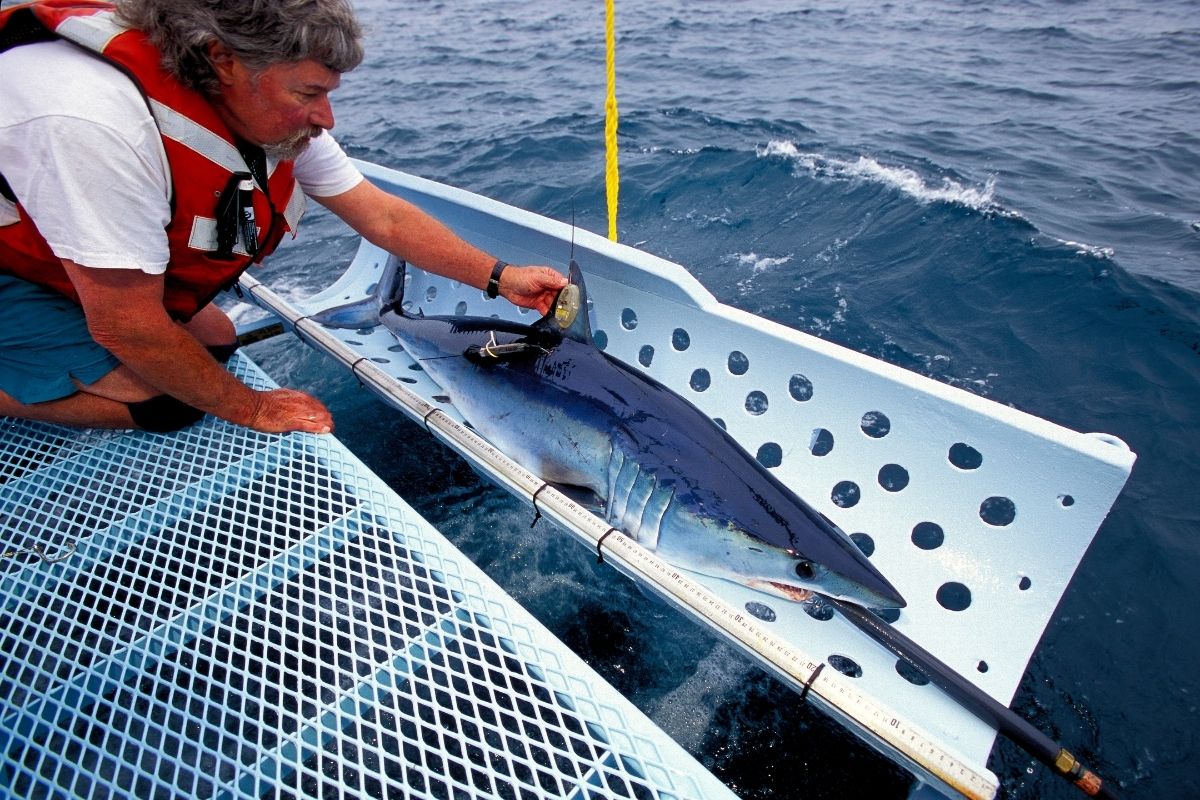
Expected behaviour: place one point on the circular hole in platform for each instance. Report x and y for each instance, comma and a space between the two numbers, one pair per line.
628, 319
845, 665
396, 348
821, 443
893, 477
954, 596
431, 294
928, 535
646, 355
888, 615
720, 423
1066, 500
800, 388
964, 456
998, 511
680, 340
738, 363
601, 339
1024, 583
700, 380
817, 608
460, 308
763, 612
846, 494
864, 542
756, 403
875, 424
982, 666
770, 455
910, 673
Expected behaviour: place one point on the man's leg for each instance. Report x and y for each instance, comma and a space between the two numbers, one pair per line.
52, 371
80, 409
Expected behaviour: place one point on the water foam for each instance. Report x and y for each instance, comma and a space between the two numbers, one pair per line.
901, 178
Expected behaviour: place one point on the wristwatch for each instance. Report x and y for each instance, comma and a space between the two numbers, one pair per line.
493, 285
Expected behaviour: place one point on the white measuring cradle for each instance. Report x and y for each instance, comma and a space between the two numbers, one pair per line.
978, 513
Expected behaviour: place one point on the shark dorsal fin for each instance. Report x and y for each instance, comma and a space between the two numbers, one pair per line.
569, 316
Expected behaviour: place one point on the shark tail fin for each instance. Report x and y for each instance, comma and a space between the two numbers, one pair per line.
385, 295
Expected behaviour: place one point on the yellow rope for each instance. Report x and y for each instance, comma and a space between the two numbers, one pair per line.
611, 178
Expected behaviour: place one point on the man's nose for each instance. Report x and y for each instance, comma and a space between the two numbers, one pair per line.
322, 114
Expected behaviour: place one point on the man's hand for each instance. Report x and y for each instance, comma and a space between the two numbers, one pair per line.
532, 287
284, 410
125, 315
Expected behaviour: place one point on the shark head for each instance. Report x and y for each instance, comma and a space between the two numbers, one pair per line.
816, 558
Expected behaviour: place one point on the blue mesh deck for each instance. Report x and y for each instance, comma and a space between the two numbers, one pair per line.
220, 613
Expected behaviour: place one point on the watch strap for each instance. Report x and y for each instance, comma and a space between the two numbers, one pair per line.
493, 284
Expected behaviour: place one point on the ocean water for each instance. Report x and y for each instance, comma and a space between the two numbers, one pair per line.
1002, 196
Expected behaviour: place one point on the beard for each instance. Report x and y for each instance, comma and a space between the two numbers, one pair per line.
291, 147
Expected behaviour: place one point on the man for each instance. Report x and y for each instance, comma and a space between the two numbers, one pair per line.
151, 153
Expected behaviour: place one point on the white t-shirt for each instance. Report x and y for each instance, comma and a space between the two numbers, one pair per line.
79, 147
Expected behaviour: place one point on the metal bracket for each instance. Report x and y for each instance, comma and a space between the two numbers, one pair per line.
40, 551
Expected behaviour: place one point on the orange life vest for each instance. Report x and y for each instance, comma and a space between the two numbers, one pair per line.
205, 166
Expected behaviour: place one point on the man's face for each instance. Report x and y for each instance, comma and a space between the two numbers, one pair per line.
279, 108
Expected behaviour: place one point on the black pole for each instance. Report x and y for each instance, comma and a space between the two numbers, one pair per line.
1006, 721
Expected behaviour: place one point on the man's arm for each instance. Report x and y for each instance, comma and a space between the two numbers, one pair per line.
405, 230
125, 315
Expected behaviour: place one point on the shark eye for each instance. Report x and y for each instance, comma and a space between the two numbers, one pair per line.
805, 570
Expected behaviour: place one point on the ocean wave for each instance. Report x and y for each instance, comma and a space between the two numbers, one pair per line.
759, 263
1093, 250
903, 179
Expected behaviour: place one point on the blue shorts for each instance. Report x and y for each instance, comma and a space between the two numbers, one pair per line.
44, 343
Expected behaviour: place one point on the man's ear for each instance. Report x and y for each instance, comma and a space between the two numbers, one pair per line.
224, 62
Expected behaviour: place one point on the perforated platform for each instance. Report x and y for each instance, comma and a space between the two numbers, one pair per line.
220, 613
979, 514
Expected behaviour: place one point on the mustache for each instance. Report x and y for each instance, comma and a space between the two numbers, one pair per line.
287, 149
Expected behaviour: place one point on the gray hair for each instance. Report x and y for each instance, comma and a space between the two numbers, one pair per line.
259, 32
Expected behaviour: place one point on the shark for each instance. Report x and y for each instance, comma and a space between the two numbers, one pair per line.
655, 466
